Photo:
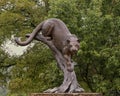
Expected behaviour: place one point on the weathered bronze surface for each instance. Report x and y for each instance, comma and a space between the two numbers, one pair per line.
66, 94
64, 45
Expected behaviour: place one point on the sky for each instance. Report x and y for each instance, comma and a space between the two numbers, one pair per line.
13, 49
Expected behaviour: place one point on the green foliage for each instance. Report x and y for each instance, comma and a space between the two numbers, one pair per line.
98, 29
66, 11
6, 64
35, 72
19, 16
95, 22
16, 17
98, 57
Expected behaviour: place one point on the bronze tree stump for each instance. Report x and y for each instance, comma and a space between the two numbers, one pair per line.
70, 83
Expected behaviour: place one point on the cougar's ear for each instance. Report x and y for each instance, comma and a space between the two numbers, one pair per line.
78, 40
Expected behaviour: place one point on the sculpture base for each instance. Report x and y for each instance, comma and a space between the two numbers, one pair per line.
65, 94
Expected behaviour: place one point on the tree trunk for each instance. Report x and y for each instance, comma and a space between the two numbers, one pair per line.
70, 84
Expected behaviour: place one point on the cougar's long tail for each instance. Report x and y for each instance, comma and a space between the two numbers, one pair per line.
32, 35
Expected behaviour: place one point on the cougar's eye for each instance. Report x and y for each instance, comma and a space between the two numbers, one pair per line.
78, 40
70, 45
68, 41
77, 46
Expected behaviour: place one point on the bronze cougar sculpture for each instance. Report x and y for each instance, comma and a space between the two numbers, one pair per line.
56, 30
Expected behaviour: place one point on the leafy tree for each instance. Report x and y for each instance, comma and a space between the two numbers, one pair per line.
35, 71
98, 57
16, 17
95, 22
66, 11
98, 28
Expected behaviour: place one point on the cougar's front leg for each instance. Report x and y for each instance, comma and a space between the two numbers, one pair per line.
68, 63
47, 30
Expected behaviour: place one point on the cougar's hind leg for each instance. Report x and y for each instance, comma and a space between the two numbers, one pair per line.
47, 30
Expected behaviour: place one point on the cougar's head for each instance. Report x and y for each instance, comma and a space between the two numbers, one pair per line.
73, 44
